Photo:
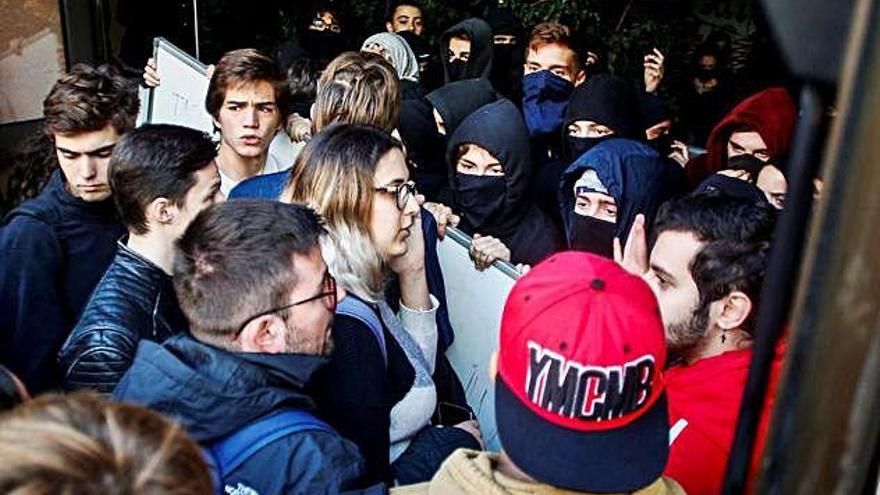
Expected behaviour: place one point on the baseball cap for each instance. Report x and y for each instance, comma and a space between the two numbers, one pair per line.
579, 396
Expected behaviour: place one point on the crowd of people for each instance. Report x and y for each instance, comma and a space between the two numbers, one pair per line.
195, 315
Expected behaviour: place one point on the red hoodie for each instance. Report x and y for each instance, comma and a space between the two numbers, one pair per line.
704, 402
771, 113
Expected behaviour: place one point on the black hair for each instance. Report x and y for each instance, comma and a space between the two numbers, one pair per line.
156, 161
737, 235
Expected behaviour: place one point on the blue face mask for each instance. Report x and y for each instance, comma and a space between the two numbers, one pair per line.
545, 98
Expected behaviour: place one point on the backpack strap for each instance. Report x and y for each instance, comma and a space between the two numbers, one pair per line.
361, 311
231, 452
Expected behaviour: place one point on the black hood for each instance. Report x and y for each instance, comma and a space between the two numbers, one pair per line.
634, 174
457, 100
499, 128
212, 392
424, 146
610, 101
479, 62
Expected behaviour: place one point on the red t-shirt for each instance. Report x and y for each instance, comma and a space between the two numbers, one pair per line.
704, 401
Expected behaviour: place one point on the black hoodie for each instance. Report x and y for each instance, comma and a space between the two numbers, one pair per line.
529, 234
607, 100
457, 100
213, 393
479, 64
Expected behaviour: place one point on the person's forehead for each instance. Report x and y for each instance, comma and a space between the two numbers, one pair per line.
674, 251
550, 54
475, 152
596, 197
391, 167
251, 91
410, 11
749, 139
83, 142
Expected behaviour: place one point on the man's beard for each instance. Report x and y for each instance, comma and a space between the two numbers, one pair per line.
682, 336
294, 344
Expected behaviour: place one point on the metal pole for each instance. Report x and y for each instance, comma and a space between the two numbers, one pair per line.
196, 27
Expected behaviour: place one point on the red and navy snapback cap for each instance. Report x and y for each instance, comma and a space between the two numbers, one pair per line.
579, 396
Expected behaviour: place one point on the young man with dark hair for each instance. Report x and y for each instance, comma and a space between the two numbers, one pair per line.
405, 16
55, 247
162, 176
580, 403
247, 98
250, 278
706, 269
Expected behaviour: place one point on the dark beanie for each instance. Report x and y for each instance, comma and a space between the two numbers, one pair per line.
610, 101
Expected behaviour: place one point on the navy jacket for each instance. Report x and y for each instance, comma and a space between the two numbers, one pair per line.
135, 300
269, 186
53, 250
213, 393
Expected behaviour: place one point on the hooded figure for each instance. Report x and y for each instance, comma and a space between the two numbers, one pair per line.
608, 101
629, 172
398, 53
455, 101
425, 148
508, 58
479, 62
771, 113
499, 205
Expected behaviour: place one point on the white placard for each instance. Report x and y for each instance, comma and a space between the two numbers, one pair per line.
180, 99
476, 301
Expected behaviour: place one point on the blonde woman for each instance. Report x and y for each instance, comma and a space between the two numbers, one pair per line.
377, 390
82, 443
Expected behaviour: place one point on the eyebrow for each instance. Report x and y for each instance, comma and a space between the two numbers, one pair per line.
96, 151
258, 103
394, 183
215, 185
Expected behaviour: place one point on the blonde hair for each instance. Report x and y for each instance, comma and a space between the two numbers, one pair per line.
358, 88
85, 444
334, 174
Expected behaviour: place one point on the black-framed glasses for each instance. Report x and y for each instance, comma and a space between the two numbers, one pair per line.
328, 290
402, 192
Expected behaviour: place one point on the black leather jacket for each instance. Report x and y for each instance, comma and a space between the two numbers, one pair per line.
134, 300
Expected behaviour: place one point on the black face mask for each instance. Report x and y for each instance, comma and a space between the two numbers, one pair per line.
706, 75
457, 70
592, 235
663, 145
748, 163
480, 197
577, 146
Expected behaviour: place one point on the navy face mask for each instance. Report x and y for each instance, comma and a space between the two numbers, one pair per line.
545, 98
592, 235
663, 145
480, 197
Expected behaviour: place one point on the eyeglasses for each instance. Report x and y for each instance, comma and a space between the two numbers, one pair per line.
402, 192
328, 290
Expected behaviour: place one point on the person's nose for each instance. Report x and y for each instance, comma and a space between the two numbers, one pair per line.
251, 118
89, 167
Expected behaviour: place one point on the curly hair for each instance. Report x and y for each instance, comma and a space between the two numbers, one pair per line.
737, 234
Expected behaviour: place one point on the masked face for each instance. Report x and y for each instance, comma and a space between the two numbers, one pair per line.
479, 197
662, 143
545, 98
582, 135
457, 70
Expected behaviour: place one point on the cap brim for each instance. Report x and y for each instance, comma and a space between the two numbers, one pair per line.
614, 461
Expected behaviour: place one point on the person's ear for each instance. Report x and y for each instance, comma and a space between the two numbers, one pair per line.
160, 212
734, 310
580, 78
389, 27
493, 366
265, 334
